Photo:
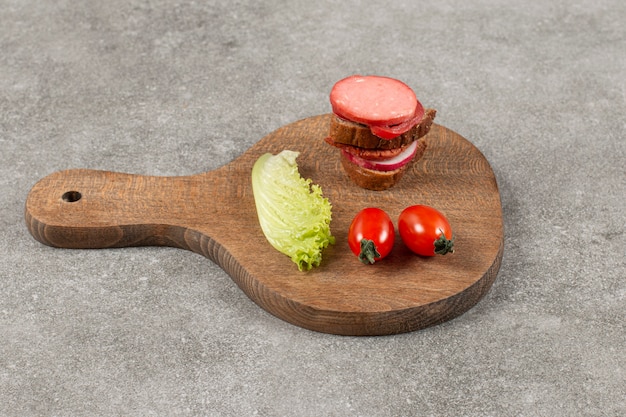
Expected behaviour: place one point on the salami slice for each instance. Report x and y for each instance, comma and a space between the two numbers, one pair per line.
373, 100
370, 154
390, 132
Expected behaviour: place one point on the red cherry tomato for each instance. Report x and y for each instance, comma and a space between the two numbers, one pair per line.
426, 231
371, 235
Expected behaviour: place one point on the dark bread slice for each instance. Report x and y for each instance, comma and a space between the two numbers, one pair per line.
378, 180
370, 179
359, 135
371, 154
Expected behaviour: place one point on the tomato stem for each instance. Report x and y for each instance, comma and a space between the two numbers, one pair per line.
369, 253
443, 245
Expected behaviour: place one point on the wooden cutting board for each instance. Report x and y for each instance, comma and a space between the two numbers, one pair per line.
214, 214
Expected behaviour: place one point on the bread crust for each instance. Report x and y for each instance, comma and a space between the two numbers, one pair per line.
359, 135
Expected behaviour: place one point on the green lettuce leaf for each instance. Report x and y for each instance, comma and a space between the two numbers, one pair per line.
294, 216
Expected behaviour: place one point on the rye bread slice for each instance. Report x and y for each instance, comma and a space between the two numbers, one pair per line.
356, 134
378, 180
370, 179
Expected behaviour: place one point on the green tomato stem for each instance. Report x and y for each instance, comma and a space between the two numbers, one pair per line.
369, 253
444, 245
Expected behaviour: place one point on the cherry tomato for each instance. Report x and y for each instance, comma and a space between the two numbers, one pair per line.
371, 235
426, 231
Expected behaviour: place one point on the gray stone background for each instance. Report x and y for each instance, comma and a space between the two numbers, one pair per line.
169, 87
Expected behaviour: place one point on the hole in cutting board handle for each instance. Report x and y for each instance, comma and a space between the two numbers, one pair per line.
71, 196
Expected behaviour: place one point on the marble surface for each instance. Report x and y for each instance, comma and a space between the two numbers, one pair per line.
166, 87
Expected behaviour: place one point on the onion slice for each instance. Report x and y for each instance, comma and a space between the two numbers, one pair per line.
390, 164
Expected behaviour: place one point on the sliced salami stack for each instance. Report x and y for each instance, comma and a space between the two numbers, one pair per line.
377, 124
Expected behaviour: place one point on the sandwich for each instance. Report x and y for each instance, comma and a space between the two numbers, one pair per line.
378, 124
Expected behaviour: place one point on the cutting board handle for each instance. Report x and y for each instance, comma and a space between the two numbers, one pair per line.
83, 208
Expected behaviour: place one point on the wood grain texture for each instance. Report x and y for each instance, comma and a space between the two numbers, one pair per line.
213, 214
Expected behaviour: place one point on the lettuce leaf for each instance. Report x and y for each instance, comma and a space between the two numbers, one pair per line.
294, 216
